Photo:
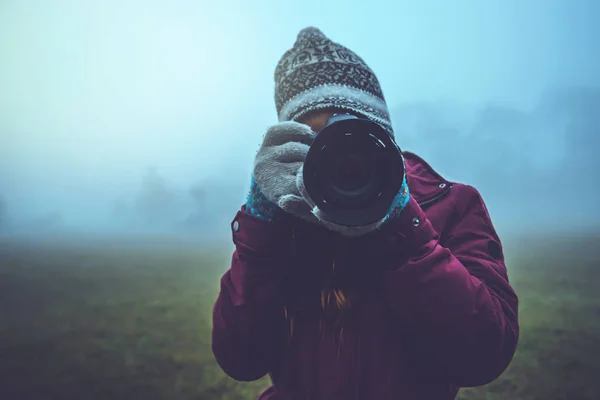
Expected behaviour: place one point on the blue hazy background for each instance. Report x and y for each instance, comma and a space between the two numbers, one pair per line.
144, 116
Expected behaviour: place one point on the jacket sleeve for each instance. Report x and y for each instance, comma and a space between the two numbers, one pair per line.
455, 298
248, 316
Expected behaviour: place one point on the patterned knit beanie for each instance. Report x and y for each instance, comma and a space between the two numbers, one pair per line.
317, 73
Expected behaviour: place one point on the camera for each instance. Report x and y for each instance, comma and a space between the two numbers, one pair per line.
353, 171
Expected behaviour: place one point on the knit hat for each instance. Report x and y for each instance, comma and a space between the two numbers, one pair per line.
317, 73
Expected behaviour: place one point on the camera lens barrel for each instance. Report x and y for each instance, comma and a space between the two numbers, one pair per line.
353, 171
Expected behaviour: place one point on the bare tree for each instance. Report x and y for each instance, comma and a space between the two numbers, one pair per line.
199, 195
155, 201
197, 217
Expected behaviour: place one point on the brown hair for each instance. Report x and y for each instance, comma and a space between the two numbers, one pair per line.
336, 306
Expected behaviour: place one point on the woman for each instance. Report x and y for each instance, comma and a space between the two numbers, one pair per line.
413, 307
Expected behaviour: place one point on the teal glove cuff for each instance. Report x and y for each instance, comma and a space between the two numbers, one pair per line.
400, 201
258, 205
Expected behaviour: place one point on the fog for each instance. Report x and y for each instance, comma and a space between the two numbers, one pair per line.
143, 116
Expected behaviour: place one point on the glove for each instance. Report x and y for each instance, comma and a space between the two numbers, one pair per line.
257, 204
277, 163
400, 201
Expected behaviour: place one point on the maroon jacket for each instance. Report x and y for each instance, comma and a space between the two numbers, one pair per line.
435, 310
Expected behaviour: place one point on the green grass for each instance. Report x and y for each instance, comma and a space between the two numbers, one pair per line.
101, 320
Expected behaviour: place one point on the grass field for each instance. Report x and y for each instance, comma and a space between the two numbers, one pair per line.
131, 320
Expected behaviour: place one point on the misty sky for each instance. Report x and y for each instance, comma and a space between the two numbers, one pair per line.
92, 93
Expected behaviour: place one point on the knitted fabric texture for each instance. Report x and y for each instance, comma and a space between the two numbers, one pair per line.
400, 201
317, 73
258, 205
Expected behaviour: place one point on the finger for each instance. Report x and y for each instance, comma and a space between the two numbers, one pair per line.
285, 153
302, 188
288, 131
294, 205
267, 169
275, 182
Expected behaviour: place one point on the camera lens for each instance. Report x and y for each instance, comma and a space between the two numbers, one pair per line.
352, 175
353, 171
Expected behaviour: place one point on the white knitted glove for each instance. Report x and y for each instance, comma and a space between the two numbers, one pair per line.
277, 163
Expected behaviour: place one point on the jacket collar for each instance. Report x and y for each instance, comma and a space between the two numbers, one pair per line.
424, 183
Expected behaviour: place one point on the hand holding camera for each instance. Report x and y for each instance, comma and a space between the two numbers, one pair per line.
349, 177
276, 166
